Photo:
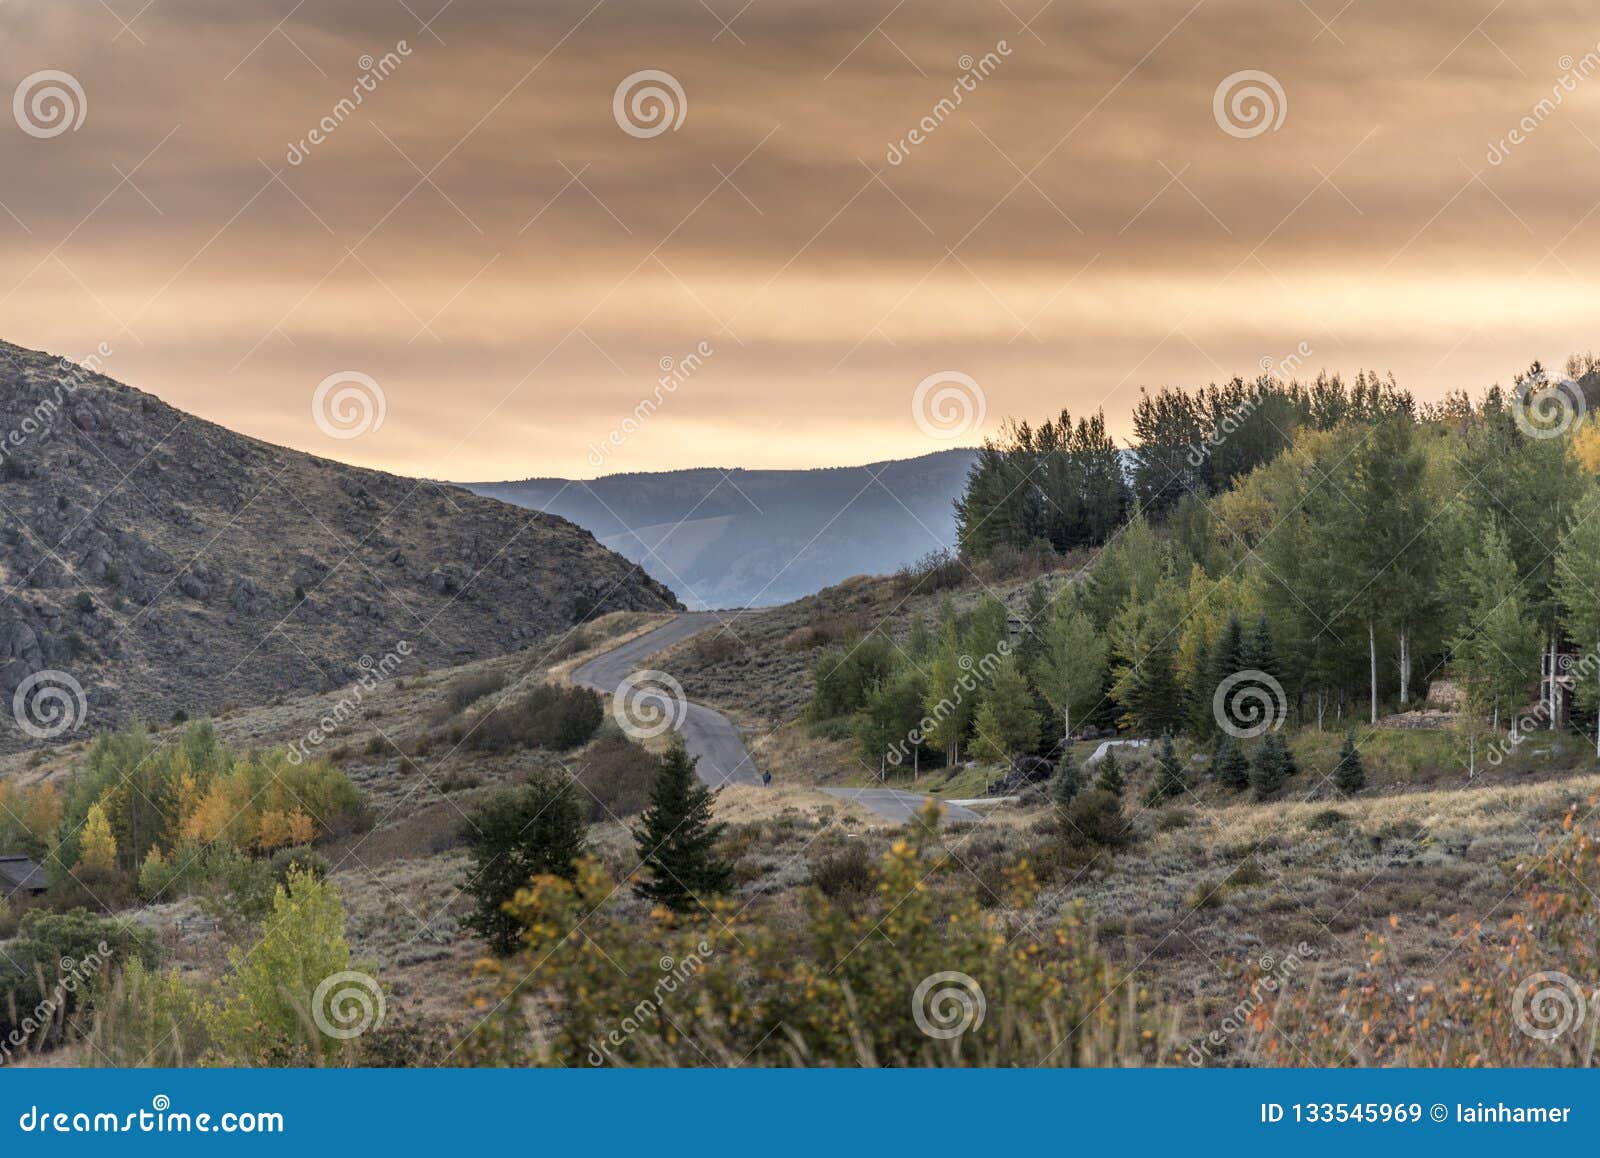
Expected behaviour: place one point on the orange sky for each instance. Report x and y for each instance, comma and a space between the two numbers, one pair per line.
483, 240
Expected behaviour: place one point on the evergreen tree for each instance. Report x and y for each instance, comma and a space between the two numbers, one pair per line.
1230, 765
676, 838
1171, 779
1065, 783
1348, 774
1228, 657
515, 835
1259, 653
1273, 766
1110, 778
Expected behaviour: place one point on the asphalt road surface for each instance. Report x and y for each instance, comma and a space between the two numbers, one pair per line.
899, 807
711, 736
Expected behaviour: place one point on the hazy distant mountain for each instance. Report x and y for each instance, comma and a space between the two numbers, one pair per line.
164, 563
740, 538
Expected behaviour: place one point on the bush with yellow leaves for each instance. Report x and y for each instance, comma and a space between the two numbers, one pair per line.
920, 978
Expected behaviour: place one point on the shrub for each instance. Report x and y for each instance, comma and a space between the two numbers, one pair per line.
1094, 820
265, 1013
550, 717
617, 774
847, 875
513, 836
471, 688
146, 1018
741, 992
49, 970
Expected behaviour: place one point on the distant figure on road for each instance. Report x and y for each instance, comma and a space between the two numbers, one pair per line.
766, 779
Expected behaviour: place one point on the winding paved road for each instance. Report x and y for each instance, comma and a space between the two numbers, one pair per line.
711, 736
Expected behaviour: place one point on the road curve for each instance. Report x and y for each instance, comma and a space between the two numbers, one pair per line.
708, 735
713, 738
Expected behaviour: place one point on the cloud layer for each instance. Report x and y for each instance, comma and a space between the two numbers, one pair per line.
1043, 197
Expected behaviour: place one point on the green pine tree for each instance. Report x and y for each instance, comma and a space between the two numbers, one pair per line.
1110, 779
1348, 775
676, 838
1230, 764
1065, 783
1170, 777
515, 835
1273, 766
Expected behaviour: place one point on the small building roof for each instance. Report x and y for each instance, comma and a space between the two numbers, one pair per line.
20, 874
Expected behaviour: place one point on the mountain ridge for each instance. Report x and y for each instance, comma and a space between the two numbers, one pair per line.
725, 537
165, 563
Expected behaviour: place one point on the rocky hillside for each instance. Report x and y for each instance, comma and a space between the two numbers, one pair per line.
166, 564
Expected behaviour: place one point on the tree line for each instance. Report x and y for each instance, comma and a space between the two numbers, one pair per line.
1343, 546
